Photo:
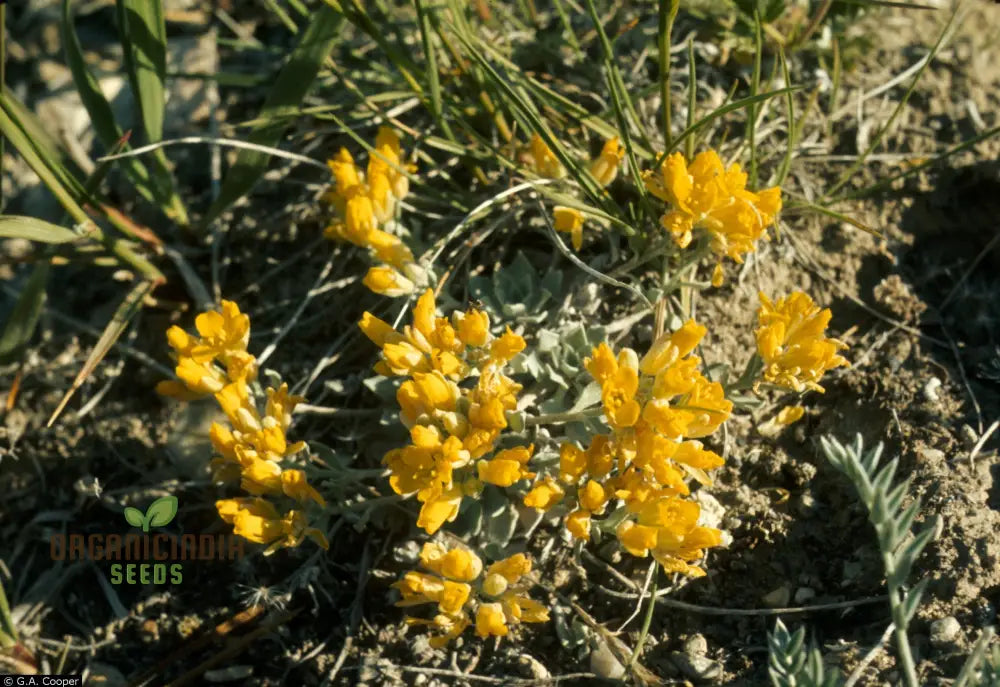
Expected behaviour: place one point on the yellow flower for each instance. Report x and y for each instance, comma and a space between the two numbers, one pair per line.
345, 172
578, 524
671, 347
426, 393
603, 365
512, 569
617, 394
457, 564
668, 528
572, 463
388, 282
592, 497
200, 378
790, 414
491, 621
792, 341
387, 144
605, 167
257, 520
544, 161
706, 195
506, 347
544, 495
506, 467
473, 327
570, 221
378, 331
295, 485
451, 586
440, 506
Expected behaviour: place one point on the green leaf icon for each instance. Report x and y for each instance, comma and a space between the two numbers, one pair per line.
134, 516
160, 512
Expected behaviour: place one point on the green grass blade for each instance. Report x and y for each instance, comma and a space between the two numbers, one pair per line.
692, 99
888, 181
751, 135
42, 143
285, 98
433, 79
10, 129
143, 34
24, 317
97, 106
726, 109
144, 38
877, 138
19, 227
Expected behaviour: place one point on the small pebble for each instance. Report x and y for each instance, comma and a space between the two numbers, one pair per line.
229, 674
149, 632
778, 597
945, 632
806, 505
968, 436
804, 594
931, 455
698, 668
931, 390
696, 645
603, 663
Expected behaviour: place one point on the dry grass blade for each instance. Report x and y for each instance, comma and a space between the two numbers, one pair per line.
285, 98
126, 311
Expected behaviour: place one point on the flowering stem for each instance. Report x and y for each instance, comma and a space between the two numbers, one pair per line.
562, 418
646, 621
668, 12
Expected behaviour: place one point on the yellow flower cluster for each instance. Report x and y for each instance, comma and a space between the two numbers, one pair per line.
706, 195
792, 342
250, 451
456, 583
657, 408
366, 204
604, 169
452, 427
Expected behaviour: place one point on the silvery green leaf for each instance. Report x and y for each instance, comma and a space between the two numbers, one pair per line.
499, 530
546, 340
552, 281
590, 396
383, 387
912, 601
469, 521
494, 500
513, 310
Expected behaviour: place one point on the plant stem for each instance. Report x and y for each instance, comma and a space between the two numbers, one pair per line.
896, 598
646, 621
668, 12
562, 418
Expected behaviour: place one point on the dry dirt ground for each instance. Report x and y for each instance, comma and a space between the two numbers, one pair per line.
918, 306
